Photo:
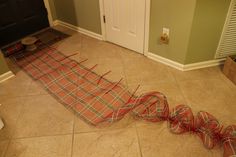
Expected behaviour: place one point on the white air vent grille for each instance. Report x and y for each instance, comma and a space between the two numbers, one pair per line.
227, 45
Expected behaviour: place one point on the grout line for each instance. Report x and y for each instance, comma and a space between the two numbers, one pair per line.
139, 144
73, 137
11, 136
8, 145
123, 67
31, 137
18, 117
22, 96
181, 91
224, 79
104, 130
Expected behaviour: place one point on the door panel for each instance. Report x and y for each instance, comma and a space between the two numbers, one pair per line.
132, 21
115, 16
6, 22
125, 20
19, 18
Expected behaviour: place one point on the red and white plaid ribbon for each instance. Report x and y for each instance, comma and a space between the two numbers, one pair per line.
97, 100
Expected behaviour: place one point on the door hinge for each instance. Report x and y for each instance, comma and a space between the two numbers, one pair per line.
104, 18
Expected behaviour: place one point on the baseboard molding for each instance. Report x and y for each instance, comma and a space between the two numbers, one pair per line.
6, 76
67, 25
165, 61
78, 29
171, 63
186, 67
204, 64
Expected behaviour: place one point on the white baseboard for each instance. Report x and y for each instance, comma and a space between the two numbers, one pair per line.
204, 64
6, 76
78, 29
171, 63
165, 61
186, 67
65, 24
91, 34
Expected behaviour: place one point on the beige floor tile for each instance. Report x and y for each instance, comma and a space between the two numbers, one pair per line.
65, 30
111, 63
142, 123
104, 66
105, 63
42, 116
70, 45
143, 71
119, 143
115, 75
231, 101
209, 95
36, 88
58, 146
99, 53
230, 84
94, 48
16, 86
127, 54
81, 127
92, 43
109, 50
158, 141
10, 110
3, 147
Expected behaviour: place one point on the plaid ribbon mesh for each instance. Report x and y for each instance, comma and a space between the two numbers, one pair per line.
151, 106
97, 100
181, 119
229, 141
208, 129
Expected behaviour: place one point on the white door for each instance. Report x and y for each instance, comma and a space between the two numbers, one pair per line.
125, 21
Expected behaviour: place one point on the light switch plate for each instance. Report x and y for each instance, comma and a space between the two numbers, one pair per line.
166, 31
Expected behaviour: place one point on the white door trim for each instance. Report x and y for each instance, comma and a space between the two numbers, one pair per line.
47, 5
146, 30
147, 27
103, 25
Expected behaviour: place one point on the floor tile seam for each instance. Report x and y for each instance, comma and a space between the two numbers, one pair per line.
41, 136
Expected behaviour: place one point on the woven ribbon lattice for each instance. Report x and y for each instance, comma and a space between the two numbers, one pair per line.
97, 100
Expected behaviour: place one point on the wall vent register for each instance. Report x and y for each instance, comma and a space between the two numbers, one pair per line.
227, 45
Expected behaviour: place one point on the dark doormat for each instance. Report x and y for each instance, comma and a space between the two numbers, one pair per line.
47, 37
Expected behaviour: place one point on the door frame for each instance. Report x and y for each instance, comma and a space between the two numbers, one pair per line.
146, 27
47, 5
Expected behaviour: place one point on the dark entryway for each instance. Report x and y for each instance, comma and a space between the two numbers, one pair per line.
19, 18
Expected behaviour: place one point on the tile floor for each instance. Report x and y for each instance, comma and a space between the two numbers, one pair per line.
38, 126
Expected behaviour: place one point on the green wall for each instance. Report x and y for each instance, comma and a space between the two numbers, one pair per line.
195, 25
3, 66
88, 15
65, 11
177, 16
81, 13
208, 23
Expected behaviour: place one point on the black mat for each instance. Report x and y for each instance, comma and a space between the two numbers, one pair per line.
48, 36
